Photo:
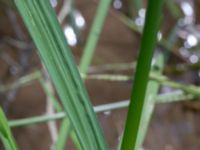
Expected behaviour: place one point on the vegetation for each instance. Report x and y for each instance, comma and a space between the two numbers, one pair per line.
78, 116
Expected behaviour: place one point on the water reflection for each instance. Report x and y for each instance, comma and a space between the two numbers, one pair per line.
70, 35
140, 19
54, 3
117, 4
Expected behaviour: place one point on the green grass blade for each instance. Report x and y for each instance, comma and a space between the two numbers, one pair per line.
94, 34
46, 32
5, 133
66, 130
148, 43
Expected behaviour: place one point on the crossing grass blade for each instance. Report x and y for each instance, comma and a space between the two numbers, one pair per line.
94, 35
136, 106
46, 32
64, 133
174, 9
66, 129
5, 133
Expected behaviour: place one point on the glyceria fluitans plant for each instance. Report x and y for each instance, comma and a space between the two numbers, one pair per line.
41, 21
46, 32
5, 133
147, 47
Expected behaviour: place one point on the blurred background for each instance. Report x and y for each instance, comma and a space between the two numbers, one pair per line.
174, 126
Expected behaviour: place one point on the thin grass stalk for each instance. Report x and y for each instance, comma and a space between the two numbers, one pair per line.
112, 67
166, 44
46, 32
174, 9
148, 43
161, 79
177, 96
5, 133
55, 102
94, 35
65, 131
172, 97
37, 75
23, 81
169, 43
131, 25
133, 7
65, 127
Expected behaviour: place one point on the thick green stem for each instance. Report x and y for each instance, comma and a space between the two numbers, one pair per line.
148, 43
151, 94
